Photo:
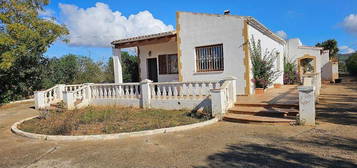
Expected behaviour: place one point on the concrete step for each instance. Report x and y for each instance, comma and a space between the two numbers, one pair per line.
261, 110
295, 106
243, 118
264, 111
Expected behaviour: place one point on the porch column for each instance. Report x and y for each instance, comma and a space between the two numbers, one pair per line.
118, 74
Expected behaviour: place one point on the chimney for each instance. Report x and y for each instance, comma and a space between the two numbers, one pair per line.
227, 12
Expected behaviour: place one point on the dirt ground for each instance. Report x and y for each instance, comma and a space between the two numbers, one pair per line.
331, 143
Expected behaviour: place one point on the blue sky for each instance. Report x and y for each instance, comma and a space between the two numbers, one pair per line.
310, 20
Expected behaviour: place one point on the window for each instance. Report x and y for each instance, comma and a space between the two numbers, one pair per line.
168, 64
209, 58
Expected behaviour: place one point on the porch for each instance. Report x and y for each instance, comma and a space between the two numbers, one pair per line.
157, 57
286, 95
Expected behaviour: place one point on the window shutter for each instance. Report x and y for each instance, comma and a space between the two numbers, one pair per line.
162, 64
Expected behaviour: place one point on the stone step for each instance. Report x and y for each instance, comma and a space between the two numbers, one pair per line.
264, 111
295, 106
243, 118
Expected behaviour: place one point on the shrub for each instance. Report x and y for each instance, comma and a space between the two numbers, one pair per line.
351, 64
264, 73
290, 73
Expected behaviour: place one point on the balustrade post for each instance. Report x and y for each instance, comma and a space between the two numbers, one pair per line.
306, 105
217, 102
88, 91
232, 88
40, 100
145, 93
68, 99
59, 91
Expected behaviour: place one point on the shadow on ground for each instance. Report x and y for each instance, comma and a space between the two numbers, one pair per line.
257, 156
339, 105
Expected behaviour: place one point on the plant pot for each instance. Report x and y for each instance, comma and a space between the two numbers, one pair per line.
259, 91
277, 85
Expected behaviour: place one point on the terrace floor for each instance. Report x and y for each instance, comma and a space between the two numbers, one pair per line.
287, 95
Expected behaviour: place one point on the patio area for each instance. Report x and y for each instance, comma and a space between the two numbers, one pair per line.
286, 95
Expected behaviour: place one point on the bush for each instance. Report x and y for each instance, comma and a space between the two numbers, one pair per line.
351, 64
290, 74
264, 73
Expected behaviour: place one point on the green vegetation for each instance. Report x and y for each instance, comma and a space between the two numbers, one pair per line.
69, 69
351, 64
24, 38
330, 45
107, 120
264, 73
290, 72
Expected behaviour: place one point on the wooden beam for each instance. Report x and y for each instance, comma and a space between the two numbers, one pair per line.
146, 42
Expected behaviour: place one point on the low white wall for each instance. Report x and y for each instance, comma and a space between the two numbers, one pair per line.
195, 105
119, 102
167, 104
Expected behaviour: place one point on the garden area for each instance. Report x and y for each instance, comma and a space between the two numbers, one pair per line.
108, 120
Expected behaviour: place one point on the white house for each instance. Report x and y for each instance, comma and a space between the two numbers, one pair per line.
203, 47
203, 64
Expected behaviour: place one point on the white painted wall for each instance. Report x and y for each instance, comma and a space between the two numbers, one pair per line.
268, 44
295, 50
203, 29
156, 50
326, 66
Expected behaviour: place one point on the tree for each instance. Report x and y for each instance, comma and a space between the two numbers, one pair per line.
130, 67
351, 64
24, 38
264, 73
73, 69
109, 71
330, 45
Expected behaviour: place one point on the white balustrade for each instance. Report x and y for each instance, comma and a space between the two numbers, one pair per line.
182, 90
112, 91
222, 93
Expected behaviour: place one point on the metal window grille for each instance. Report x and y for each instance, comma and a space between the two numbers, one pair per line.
209, 58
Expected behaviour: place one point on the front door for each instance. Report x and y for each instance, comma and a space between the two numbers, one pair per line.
152, 69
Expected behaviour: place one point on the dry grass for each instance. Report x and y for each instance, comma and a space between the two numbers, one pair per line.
107, 120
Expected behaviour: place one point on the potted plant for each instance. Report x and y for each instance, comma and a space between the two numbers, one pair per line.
264, 73
277, 85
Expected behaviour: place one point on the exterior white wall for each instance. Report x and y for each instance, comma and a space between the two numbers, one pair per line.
156, 50
268, 44
326, 72
202, 29
295, 50
326, 66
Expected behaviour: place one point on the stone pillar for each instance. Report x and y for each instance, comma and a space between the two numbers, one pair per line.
217, 98
232, 88
59, 91
68, 99
145, 93
307, 112
40, 99
118, 75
